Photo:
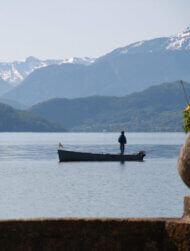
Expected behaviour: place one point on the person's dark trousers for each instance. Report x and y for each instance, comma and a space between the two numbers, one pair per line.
122, 148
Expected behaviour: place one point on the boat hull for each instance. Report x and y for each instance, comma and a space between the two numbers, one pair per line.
79, 156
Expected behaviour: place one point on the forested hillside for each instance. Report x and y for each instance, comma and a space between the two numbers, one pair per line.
158, 108
12, 120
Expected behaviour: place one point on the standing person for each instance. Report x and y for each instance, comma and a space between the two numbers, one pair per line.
122, 140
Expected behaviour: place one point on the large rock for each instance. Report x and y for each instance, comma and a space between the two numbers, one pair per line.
184, 162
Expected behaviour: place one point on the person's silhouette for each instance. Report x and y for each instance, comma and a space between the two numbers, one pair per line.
122, 140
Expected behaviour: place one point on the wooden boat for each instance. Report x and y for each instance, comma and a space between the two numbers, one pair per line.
80, 156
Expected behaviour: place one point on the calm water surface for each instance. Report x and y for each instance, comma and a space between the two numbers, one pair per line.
34, 184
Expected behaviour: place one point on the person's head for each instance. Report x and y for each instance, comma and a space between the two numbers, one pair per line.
122, 132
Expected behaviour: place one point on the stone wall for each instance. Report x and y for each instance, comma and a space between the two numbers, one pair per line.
95, 234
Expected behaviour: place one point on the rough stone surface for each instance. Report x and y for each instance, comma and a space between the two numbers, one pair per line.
186, 207
95, 234
184, 162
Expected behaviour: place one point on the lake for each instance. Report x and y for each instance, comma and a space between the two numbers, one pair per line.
34, 183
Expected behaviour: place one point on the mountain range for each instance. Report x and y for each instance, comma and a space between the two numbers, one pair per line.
158, 108
15, 72
123, 71
4, 86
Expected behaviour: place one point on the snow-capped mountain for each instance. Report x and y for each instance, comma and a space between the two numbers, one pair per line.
178, 42
15, 72
181, 41
75, 60
123, 71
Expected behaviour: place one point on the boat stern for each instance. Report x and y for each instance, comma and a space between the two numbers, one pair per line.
142, 154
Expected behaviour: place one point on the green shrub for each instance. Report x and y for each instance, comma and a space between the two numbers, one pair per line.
186, 119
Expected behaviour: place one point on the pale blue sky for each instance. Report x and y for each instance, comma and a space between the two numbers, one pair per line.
67, 28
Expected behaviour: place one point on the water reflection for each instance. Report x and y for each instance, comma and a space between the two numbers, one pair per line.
43, 151
34, 183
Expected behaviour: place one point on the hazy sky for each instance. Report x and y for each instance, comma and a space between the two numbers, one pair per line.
67, 28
